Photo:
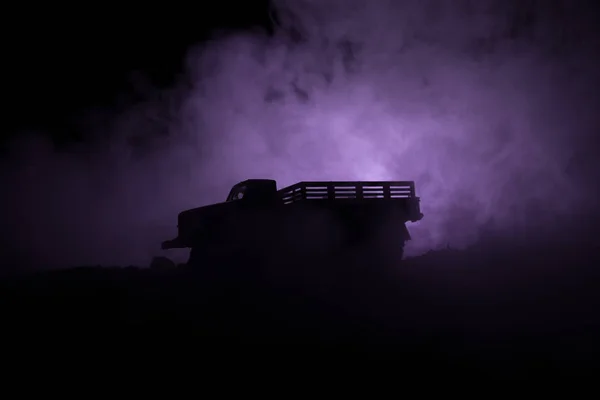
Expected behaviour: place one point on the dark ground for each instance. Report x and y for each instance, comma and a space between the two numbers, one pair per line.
498, 309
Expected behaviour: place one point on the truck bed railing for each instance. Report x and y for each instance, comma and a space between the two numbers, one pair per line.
347, 190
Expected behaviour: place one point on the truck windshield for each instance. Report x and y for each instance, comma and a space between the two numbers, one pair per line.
237, 193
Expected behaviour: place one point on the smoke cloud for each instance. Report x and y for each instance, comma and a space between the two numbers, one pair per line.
489, 106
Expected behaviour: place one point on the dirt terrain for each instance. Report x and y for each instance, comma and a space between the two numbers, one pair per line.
503, 305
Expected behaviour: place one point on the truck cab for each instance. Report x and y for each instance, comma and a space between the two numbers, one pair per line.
329, 213
251, 193
254, 190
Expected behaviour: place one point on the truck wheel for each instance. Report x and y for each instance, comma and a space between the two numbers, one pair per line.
162, 263
398, 252
391, 250
374, 243
201, 256
194, 258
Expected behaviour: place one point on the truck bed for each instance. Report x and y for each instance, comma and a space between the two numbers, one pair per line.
377, 198
360, 190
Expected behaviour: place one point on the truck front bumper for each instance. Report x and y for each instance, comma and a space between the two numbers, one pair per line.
172, 244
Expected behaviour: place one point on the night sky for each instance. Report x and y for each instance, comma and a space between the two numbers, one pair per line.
66, 62
117, 119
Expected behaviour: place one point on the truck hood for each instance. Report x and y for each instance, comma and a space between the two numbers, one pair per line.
195, 218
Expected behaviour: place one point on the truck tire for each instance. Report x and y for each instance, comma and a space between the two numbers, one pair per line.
373, 241
204, 257
207, 248
389, 249
162, 263
195, 257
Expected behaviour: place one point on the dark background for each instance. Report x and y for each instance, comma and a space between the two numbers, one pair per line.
499, 303
62, 64
61, 61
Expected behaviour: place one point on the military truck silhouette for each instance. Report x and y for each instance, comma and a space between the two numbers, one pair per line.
304, 217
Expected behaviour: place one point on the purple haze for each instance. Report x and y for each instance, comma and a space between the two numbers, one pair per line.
490, 127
